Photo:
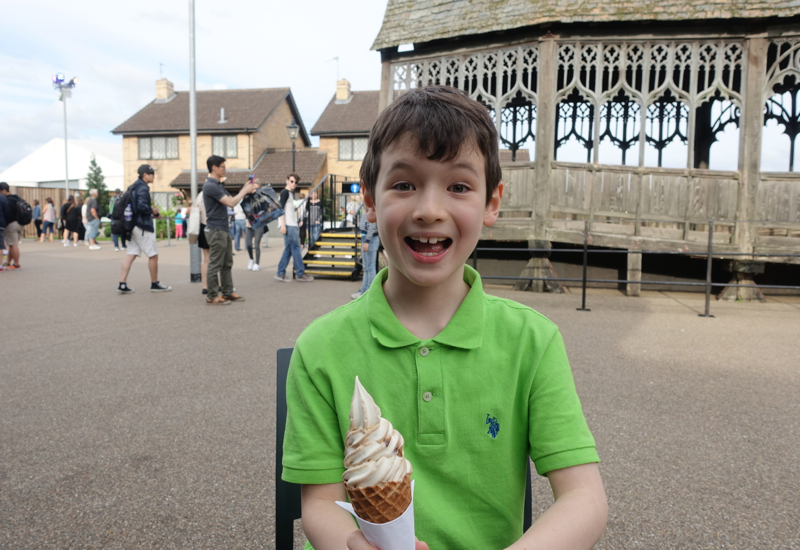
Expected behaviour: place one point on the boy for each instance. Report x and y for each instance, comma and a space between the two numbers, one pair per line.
476, 384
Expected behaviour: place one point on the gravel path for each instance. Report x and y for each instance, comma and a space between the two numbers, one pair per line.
147, 421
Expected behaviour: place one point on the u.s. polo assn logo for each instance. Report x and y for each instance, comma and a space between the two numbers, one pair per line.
494, 426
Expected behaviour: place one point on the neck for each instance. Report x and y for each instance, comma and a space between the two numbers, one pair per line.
424, 311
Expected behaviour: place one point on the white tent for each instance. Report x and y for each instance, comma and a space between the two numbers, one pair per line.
45, 166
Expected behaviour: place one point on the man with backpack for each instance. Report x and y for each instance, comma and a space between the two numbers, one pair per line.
136, 204
5, 212
19, 213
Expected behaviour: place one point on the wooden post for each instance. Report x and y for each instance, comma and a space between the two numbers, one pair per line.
750, 141
634, 274
386, 80
545, 135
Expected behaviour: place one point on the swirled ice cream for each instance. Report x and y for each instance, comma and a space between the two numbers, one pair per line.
373, 448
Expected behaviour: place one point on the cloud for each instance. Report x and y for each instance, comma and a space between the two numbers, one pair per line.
115, 49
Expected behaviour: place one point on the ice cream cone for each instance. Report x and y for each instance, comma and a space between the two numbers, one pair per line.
381, 503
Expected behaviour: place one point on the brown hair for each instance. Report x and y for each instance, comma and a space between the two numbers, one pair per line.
441, 119
295, 176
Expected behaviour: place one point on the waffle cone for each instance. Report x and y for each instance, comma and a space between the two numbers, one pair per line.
381, 503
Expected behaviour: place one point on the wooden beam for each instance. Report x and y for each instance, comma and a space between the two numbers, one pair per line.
750, 139
545, 135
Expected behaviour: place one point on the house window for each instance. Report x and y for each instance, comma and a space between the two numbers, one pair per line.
156, 148
352, 148
225, 146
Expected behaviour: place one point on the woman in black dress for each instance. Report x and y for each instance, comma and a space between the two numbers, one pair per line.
74, 222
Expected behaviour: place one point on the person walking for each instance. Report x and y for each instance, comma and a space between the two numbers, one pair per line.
93, 219
370, 243
252, 240
239, 226
291, 235
13, 230
37, 218
217, 202
143, 237
5, 213
63, 217
116, 239
73, 222
315, 216
49, 219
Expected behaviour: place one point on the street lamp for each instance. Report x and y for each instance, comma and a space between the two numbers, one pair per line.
293, 128
66, 91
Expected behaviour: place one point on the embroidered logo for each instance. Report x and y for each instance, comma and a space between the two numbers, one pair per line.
494, 426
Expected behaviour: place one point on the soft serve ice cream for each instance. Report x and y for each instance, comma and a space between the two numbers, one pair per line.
378, 477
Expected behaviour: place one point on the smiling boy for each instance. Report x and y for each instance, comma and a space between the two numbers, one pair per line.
476, 384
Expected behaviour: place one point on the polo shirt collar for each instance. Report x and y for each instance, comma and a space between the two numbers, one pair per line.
465, 329
213, 180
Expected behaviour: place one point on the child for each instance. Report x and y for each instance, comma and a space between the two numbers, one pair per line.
475, 384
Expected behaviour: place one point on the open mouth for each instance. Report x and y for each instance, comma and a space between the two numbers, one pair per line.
428, 246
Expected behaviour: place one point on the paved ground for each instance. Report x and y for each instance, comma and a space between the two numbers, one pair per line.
147, 421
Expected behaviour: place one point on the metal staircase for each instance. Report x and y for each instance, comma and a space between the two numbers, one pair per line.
335, 255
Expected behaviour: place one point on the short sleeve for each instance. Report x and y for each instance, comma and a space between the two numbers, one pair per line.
283, 198
212, 191
559, 435
313, 449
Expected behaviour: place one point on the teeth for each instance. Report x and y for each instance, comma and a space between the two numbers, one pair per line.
431, 240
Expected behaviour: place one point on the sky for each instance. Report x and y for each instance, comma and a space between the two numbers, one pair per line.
118, 49
115, 48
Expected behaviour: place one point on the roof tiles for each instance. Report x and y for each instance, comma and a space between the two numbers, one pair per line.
244, 109
356, 116
419, 21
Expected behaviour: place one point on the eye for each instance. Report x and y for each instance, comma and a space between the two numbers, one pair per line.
402, 186
459, 188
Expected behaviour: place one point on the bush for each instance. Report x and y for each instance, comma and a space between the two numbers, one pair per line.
161, 224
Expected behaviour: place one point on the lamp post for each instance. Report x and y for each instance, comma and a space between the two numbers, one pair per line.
293, 128
66, 91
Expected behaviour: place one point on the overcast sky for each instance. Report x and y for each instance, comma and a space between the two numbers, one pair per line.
115, 47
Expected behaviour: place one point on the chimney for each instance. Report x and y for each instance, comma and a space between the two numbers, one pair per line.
343, 94
222, 116
164, 89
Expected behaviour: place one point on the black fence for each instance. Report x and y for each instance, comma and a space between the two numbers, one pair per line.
709, 254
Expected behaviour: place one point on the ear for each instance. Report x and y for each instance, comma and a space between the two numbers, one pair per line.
369, 204
493, 208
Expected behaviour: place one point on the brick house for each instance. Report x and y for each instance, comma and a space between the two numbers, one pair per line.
344, 126
247, 127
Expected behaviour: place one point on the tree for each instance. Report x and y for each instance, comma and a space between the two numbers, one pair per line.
96, 180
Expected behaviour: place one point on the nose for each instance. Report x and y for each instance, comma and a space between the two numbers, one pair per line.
429, 207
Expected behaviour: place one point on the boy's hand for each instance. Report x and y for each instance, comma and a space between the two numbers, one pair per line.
365, 246
356, 541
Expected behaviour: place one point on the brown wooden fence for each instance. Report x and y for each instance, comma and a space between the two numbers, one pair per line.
29, 194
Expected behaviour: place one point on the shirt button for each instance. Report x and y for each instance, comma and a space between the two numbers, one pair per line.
424, 352
427, 396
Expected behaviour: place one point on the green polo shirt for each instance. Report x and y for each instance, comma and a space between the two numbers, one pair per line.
493, 388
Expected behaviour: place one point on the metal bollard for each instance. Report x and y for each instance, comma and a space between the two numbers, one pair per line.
585, 263
169, 242
708, 269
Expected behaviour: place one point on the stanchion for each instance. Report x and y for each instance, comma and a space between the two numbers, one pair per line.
708, 269
169, 243
585, 264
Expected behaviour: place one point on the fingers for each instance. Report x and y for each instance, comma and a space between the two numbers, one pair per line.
420, 546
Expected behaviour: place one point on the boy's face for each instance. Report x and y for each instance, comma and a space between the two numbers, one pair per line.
430, 213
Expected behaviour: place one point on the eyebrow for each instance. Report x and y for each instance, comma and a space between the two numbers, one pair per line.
404, 165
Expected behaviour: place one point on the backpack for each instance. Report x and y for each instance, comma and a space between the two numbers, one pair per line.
120, 225
21, 211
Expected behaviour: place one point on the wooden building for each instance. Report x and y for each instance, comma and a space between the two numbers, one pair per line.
641, 91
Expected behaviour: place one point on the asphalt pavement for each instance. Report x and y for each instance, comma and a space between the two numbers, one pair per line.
148, 420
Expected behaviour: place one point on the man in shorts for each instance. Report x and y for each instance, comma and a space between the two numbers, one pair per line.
5, 211
143, 237
13, 230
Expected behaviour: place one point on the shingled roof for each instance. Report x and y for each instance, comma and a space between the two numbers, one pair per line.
272, 168
245, 110
357, 116
418, 21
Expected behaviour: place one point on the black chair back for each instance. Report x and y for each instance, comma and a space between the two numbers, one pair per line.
287, 495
